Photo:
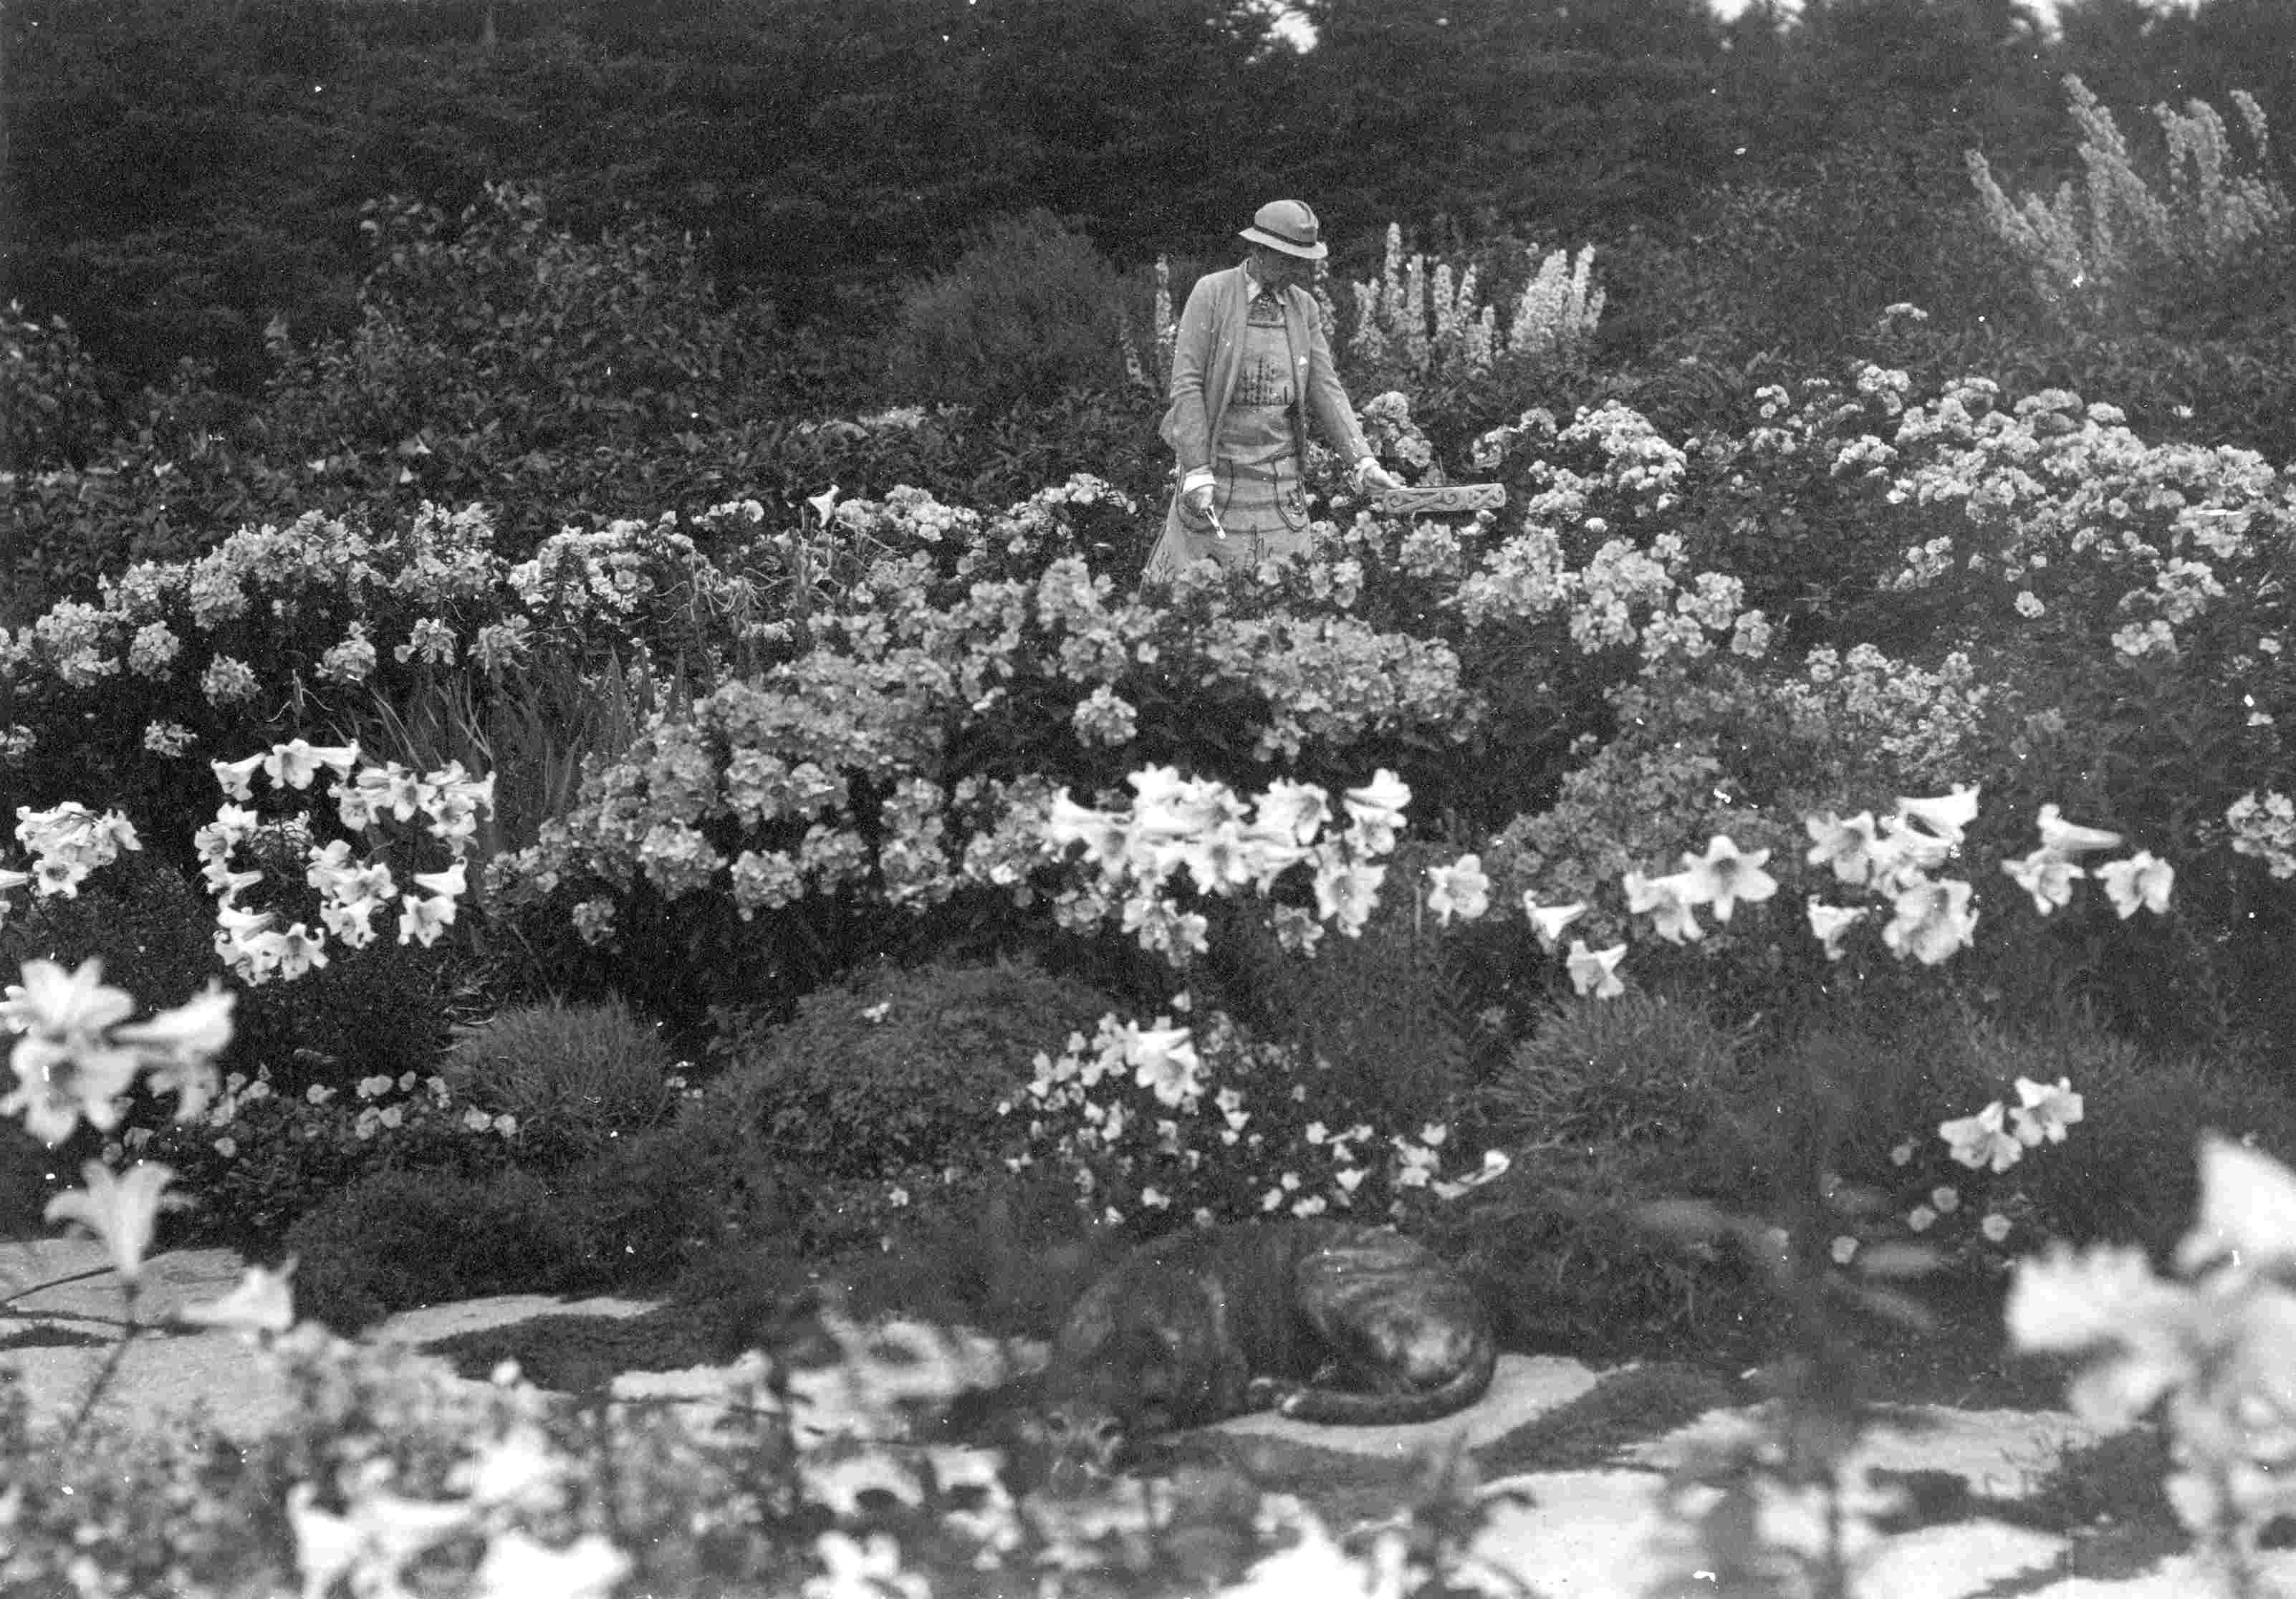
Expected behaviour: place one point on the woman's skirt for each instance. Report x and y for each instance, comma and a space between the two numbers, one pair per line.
1257, 495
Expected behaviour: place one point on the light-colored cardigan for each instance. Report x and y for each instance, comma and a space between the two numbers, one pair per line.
1209, 347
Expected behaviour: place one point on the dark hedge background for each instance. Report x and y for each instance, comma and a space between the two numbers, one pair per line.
179, 172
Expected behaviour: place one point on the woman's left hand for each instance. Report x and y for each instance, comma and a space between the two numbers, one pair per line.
1371, 477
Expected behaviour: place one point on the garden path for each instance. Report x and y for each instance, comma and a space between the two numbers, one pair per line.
1602, 1533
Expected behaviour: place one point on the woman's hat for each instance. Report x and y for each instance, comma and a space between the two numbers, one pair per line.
1287, 225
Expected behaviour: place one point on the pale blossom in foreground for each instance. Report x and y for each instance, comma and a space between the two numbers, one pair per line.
261, 1302
121, 1210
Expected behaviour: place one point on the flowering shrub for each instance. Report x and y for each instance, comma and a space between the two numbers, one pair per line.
1198, 1121
1420, 326
259, 1161
388, 1471
894, 1068
2114, 245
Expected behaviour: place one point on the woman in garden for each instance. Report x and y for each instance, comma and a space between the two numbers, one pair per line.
1250, 363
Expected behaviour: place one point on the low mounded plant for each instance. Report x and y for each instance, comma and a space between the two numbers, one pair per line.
1638, 1069
897, 1068
574, 1077
400, 1239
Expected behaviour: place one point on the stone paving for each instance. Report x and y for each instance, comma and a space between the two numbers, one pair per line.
1600, 1534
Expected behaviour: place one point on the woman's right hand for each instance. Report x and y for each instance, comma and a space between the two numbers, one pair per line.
1196, 508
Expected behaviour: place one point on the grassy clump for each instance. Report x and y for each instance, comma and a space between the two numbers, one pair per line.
575, 1076
1640, 1068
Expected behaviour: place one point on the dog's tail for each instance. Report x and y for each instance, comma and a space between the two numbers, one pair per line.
1454, 1393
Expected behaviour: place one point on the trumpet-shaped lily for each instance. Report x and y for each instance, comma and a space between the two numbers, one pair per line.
1946, 815
1845, 846
2043, 1111
2061, 837
1979, 1141
1933, 921
1460, 889
2046, 875
1596, 971
1723, 875
1830, 923
1548, 921
2140, 880
236, 777
1668, 901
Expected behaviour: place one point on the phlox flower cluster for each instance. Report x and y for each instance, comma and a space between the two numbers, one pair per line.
350, 890
1190, 1120
2208, 1348
780, 755
2068, 507
1198, 826
2264, 826
577, 580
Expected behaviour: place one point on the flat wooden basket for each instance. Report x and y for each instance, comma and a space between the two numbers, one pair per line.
1450, 500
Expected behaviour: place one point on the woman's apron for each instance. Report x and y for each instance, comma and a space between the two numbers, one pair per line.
1256, 488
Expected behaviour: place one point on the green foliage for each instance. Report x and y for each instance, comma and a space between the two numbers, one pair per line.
574, 1076
49, 412
29, 1175
1554, 1250
400, 1239
504, 322
1639, 1068
895, 1068
655, 1203
1031, 310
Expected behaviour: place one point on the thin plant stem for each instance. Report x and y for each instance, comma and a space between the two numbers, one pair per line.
103, 1377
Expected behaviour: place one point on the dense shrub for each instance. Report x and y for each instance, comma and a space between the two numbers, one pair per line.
573, 1076
895, 1068
2126, 1172
654, 1202
1028, 312
400, 1239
